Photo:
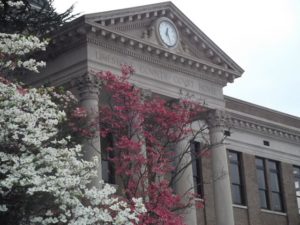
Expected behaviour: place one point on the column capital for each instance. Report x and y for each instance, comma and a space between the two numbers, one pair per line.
145, 94
88, 85
216, 118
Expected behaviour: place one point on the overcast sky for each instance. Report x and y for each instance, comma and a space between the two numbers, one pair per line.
262, 36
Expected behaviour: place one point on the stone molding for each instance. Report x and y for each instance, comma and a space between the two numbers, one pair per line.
263, 128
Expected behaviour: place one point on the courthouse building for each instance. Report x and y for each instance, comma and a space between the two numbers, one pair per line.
260, 158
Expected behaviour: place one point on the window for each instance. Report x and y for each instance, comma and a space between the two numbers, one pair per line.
297, 185
268, 177
108, 172
237, 188
196, 166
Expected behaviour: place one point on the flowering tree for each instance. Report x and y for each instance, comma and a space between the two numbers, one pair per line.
145, 132
14, 50
43, 176
22, 24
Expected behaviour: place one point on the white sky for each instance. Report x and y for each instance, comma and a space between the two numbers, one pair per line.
262, 36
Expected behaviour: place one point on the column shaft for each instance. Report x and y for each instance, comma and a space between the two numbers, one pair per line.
185, 182
89, 99
222, 185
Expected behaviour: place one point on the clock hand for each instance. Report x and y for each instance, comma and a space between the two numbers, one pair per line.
167, 33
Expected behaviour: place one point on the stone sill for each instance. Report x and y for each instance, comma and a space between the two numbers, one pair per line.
273, 212
240, 206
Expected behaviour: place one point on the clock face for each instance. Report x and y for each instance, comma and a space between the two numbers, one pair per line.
168, 33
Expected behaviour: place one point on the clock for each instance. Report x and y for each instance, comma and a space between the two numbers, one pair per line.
167, 32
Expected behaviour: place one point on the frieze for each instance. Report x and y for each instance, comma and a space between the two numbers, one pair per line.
196, 85
131, 26
128, 49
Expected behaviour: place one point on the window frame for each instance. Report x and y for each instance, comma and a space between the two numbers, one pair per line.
241, 184
269, 189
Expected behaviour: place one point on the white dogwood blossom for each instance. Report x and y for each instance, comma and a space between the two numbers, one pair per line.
15, 47
17, 4
36, 164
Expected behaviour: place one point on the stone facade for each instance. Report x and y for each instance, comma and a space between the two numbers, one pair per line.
197, 67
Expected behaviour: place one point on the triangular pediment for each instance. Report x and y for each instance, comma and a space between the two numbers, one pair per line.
139, 24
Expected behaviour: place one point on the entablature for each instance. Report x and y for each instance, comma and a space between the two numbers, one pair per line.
260, 127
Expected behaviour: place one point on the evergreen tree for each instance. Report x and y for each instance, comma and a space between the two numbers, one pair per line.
34, 17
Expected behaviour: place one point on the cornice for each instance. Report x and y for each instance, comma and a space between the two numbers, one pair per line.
263, 128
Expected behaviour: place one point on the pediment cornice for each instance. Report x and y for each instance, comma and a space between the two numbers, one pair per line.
136, 15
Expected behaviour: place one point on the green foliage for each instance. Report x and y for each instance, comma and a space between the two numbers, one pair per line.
34, 17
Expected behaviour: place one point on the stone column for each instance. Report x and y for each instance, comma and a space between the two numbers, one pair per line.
88, 88
185, 181
222, 185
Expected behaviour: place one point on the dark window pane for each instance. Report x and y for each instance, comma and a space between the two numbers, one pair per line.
261, 179
235, 175
198, 186
105, 171
196, 167
263, 199
297, 171
236, 194
272, 165
259, 162
276, 202
297, 186
233, 156
274, 182
298, 202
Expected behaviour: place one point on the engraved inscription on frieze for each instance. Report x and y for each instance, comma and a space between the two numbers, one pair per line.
165, 76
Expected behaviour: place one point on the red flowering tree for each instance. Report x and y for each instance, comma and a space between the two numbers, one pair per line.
145, 131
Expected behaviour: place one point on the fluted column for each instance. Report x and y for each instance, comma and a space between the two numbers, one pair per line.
88, 87
185, 183
222, 186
